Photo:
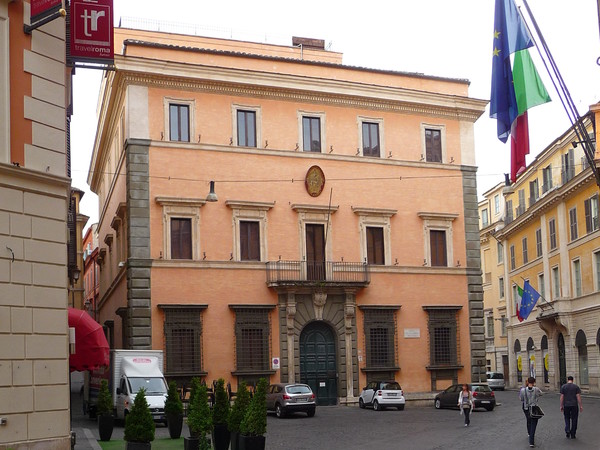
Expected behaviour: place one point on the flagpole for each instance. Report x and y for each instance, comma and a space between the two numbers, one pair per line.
570, 108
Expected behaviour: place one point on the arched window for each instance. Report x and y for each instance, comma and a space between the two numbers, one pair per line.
581, 344
531, 357
517, 349
545, 358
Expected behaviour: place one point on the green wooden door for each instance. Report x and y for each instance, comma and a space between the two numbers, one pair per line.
318, 362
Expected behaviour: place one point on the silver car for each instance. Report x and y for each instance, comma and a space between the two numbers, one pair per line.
286, 398
495, 380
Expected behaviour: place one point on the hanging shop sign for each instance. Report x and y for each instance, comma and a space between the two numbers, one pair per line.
92, 31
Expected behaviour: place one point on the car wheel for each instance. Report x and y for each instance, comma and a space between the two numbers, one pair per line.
489, 408
361, 403
438, 403
279, 411
401, 408
376, 406
310, 413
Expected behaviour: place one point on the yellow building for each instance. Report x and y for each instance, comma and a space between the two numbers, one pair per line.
551, 238
491, 213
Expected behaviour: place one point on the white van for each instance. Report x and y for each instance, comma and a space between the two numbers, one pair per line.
495, 380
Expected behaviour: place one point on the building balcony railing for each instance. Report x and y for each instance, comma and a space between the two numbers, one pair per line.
316, 273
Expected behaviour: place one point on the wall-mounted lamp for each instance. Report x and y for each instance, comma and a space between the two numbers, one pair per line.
212, 197
576, 143
122, 264
75, 272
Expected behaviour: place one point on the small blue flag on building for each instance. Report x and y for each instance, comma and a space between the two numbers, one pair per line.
528, 300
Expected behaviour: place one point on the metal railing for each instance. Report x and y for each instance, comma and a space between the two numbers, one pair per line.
314, 272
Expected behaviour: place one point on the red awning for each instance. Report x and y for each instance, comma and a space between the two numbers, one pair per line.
91, 348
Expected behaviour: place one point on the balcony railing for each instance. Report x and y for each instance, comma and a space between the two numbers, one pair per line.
317, 273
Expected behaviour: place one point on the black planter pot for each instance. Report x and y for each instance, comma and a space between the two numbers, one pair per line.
139, 446
221, 437
175, 424
193, 443
251, 442
235, 436
106, 423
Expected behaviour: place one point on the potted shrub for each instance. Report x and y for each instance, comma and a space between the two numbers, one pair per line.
254, 424
199, 419
174, 411
242, 401
104, 409
220, 416
139, 425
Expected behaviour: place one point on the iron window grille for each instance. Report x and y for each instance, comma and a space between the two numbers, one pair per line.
380, 338
183, 341
252, 339
444, 346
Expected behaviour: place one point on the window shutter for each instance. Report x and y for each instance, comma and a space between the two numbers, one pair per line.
588, 216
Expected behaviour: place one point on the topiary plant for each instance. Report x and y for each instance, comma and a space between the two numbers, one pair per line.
139, 425
199, 419
173, 403
104, 404
255, 420
242, 402
221, 409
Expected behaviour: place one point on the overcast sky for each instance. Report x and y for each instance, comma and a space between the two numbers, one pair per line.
435, 37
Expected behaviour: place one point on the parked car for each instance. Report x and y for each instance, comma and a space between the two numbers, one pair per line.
483, 396
381, 394
291, 397
495, 380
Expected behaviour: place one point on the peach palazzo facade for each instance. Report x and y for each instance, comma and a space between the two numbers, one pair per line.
343, 244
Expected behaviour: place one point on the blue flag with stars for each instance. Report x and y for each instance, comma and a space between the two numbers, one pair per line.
510, 35
530, 298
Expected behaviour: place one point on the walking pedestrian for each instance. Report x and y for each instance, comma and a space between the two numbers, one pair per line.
465, 403
570, 400
529, 397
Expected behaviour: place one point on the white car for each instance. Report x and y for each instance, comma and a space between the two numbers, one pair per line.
495, 380
382, 394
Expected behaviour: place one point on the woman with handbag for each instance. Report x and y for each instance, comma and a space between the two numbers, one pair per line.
529, 397
465, 403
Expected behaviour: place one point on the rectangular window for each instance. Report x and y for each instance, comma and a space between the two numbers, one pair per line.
490, 326
525, 257
438, 248
501, 287
484, 218
577, 278
375, 246
370, 136
179, 122
443, 331
380, 332
500, 249
591, 214
552, 229
509, 211
597, 269
547, 178
512, 257
573, 223
252, 329
496, 204
568, 166
249, 241
541, 286
433, 145
534, 192
311, 134
246, 128
555, 283
538, 242
521, 208
183, 341
181, 238
503, 325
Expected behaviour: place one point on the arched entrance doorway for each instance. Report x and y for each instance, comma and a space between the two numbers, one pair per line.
562, 363
318, 366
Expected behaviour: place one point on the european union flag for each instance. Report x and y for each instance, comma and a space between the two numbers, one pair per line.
510, 35
530, 298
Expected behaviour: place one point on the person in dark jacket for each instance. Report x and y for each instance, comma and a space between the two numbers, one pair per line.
571, 406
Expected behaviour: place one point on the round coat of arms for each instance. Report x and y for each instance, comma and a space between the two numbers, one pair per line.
314, 181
